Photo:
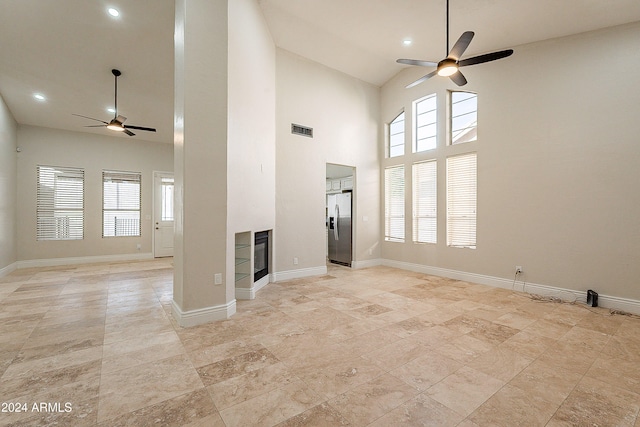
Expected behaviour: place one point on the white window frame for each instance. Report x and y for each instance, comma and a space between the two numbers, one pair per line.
462, 196
463, 117
425, 201
397, 134
59, 203
394, 204
126, 202
425, 122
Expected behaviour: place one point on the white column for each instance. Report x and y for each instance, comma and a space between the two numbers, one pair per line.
200, 163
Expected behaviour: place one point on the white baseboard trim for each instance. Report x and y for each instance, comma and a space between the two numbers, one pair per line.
8, 269
250, 293
611, 302
261, 283
300, 273
366, 263
199, 316
245, 293
52, 262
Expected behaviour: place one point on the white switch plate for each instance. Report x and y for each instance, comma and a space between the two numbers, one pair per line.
217, 279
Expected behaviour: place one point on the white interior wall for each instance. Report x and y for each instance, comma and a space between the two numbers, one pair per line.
8, 188
251, 151
93, 153
557, 164
344, 115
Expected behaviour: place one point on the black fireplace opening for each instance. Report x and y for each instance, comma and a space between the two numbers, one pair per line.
261, 255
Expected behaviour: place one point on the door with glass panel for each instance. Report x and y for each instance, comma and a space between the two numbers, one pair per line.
163, 214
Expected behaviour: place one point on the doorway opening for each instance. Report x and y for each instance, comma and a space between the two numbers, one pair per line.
340, 187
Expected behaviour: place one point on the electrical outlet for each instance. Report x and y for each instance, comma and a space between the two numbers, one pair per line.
295, 260
518, 269
217, 279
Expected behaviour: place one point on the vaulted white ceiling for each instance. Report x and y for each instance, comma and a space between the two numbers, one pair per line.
65, 49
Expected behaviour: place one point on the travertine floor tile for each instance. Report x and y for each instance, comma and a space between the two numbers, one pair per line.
377, 346
272, 408
369, 401
134, 388
465, 390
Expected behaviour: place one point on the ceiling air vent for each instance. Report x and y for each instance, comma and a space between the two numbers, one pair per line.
301, 130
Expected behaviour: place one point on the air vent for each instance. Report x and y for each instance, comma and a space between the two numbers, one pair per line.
301, 130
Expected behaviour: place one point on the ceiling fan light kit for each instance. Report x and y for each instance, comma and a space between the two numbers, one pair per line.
117, 123
450, 66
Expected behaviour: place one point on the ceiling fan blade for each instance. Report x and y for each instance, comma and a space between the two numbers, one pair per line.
485, 58
139, 128
91, 118
461, 45
417, 62
422, 79
458, 78
128, 132
96, 126
121, 119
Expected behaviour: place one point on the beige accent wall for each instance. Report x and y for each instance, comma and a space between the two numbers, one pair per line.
94, 153
344, 114
558, 153
8, 187
251, 146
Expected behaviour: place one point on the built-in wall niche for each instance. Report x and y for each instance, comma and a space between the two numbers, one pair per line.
252, 262
243, 261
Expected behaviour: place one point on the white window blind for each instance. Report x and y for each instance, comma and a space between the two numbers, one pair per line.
396, 136
121, 203
60, 203
167, 199
394, 204
464, 117
425, 119
461, 200
425, 206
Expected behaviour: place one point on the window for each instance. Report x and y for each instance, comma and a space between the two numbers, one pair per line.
167, 199
461, 200
396, 136
394, 204
425, 202
60, 203
464, 117
121, 204
425, 119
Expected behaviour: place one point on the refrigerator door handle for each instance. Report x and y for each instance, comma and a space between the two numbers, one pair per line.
335, 228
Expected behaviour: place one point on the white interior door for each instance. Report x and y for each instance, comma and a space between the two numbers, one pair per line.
162, 214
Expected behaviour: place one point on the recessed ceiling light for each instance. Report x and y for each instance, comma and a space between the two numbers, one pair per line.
114, 12
39, 96
406, 42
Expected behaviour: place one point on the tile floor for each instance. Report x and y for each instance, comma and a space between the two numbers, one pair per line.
379, 347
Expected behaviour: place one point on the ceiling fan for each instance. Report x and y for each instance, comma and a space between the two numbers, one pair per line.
117, 123
449, 66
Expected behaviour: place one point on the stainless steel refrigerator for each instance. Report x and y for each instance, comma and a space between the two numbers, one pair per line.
339, 228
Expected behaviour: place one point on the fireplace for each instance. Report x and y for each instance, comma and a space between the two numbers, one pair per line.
261, 255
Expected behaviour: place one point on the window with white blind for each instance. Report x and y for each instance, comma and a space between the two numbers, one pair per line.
394, 204
425, 204
461, 200
167, 185
464, 117
121, 203
425, 122
396, 136
60, 203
